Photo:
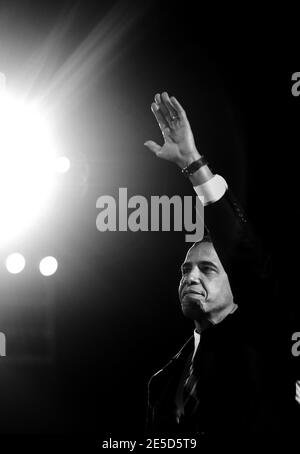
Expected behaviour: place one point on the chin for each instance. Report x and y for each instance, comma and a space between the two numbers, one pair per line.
193, 308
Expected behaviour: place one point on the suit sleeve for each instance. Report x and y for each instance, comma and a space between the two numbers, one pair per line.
246, 261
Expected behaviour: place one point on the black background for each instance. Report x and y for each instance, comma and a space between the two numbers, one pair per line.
117, 316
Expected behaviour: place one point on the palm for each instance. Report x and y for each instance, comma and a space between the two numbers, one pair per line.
179, 145
178, 141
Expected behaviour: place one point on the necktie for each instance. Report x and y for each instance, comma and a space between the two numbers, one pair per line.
187, 401
190, 399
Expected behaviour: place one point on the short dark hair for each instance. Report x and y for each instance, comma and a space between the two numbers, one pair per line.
206, 239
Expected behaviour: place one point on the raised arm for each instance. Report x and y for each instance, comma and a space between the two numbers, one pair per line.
179, 147
228, 226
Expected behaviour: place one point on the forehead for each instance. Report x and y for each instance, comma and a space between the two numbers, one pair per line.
202, 252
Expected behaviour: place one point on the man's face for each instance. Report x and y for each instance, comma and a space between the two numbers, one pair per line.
204, 289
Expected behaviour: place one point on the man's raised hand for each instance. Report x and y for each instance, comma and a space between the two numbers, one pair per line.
179, 145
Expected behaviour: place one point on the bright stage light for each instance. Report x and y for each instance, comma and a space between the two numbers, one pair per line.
62, 164
48, 266
27, 155
15, 263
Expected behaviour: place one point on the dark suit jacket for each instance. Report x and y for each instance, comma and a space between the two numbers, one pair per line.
241, 361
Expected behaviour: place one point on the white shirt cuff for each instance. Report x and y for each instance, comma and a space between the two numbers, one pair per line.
212, 190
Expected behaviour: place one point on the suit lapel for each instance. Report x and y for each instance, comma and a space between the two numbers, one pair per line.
170, 375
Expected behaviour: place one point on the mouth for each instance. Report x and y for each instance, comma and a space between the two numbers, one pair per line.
192, 292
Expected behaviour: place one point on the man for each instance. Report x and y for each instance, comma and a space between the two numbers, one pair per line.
227, 377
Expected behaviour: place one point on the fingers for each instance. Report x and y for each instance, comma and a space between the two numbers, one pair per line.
167, 110
178, 107
161, 120
153, 146
165, 107
159, 101
171, 111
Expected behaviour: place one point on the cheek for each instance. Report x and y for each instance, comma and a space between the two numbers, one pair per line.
220, 290
180, 285
215, 290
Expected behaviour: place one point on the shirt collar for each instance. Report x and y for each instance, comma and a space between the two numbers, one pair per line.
197, 336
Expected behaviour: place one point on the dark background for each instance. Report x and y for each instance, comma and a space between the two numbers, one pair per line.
113, 302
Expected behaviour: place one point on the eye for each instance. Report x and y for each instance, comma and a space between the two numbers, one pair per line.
184, 270
208, 269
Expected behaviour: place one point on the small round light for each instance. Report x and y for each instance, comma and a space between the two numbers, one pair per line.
15, 263
48, 266
62, 164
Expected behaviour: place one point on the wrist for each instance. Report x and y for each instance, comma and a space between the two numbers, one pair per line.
201, 176
189, 159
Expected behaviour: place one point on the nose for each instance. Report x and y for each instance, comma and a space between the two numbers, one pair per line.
193, 276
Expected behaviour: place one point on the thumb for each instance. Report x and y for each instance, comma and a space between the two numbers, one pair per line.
153, 146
